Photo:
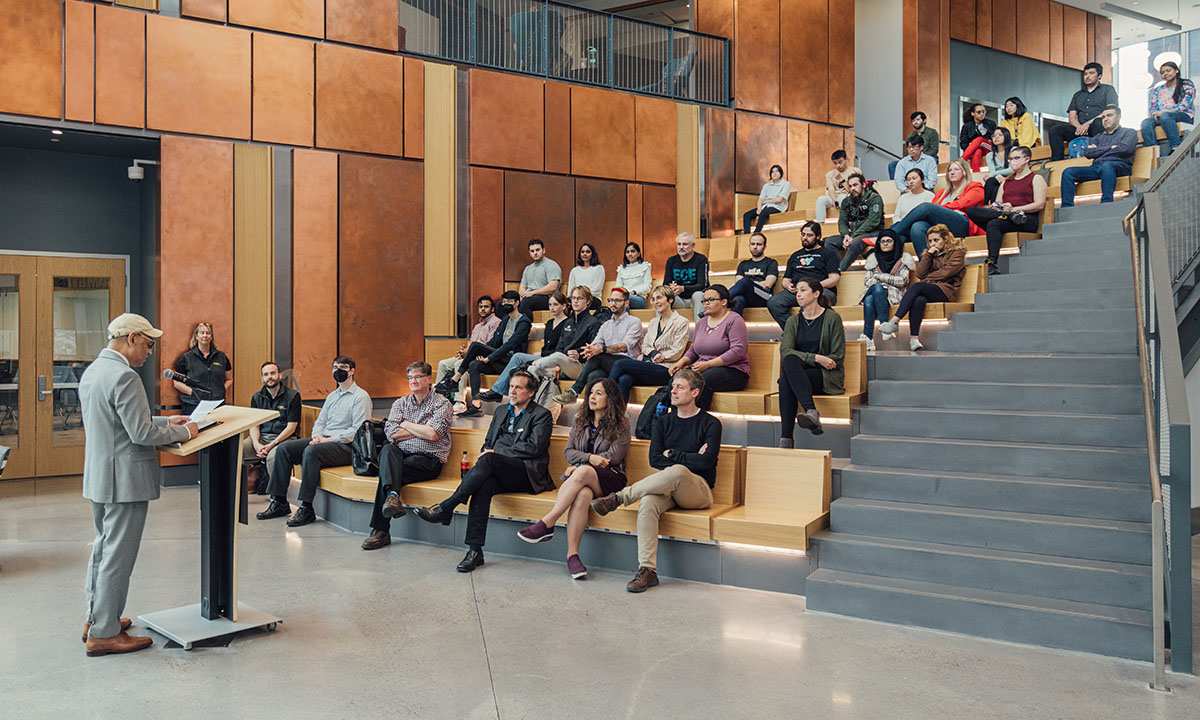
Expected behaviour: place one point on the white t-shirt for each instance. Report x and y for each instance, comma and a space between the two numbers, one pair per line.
592, 277
907, 202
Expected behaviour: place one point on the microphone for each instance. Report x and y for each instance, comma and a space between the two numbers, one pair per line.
200, 392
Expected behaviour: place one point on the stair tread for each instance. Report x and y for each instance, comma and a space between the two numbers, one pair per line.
942, 384
1003, 444
989, 597
1004, 413
1064, 482
1040, 518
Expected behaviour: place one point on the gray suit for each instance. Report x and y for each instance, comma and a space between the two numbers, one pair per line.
120, 477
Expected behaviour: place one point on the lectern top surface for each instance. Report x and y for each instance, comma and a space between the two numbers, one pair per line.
232, 420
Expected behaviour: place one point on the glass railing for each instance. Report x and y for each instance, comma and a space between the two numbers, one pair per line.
562, 42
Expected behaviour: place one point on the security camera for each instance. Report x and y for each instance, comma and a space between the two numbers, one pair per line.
137, 173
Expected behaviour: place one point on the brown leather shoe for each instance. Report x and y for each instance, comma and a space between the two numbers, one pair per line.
643, 580
125, 625
119, 643
393, 507
378, 539
605, 505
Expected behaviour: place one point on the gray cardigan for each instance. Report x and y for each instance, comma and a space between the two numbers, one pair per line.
577, 450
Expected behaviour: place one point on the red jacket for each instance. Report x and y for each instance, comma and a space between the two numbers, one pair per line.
971, 196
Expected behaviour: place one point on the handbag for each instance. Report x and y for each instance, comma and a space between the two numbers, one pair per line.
364, 449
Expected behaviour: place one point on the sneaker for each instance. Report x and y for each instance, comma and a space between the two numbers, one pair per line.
643, 580
810, 421
870, 345
536, 533
786, 443
992, 268
393, 507
377, 539
566, 397
606, 504
471, 411
889, 329
915, 344
575, 568
490, 396
863, 338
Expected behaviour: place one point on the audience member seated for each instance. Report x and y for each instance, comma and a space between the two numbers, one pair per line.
860, 220
515, 458
265, 439
344, 411
1019, 122
687, 274
665, 340
481, 333
595, 455
581, 326
756, 276
835, 184
418, 432
941, 269
997, 161
510, 338
812, 361
888, 270
929, 135
1111, 153
539, 280
813, 260
916, 158
948, 208
1086, 105
720, 350
619, 337
634, 276
1018, 203
773, 198
1171, 103
588, 272
974, 139
550, 337
684, 448
914, 196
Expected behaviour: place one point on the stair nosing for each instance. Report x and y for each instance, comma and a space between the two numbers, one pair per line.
1004, 444
988, 513
994, 477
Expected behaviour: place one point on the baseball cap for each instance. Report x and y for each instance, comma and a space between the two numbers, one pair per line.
126, 323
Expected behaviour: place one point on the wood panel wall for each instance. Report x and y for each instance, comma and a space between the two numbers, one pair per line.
1039, 29
441, 200
253, 266
314, 282
926, 63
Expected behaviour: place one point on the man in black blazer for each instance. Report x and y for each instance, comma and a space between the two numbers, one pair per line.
515, 458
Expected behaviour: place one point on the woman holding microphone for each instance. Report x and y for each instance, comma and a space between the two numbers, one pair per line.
208, 369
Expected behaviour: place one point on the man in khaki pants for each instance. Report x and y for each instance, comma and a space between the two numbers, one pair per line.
683, 447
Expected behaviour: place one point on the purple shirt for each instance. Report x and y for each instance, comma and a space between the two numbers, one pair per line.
484, 329
727, 340
625, 329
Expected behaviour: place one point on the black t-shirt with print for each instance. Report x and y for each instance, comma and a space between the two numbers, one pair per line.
816, 263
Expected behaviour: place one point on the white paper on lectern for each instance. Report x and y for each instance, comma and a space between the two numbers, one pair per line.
204, 408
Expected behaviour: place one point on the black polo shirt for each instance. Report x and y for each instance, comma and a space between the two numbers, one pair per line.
208, 371
287, 403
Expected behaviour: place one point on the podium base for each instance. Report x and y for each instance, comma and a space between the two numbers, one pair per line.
185, 625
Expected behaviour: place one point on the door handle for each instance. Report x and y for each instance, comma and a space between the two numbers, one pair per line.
42, 391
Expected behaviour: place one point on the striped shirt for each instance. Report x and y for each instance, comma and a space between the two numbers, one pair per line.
434, 411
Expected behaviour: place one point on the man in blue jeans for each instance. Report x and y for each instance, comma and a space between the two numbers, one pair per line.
1111, 153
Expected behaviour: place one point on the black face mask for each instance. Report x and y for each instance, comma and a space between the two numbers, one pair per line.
507, 308
340, 375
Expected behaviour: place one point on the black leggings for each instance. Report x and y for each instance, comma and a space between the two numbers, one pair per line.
916, 297
750, 216
475, 362
995, 223
720, 379
797, 385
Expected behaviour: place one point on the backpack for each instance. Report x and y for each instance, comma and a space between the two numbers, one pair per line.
364, 449
1076, 147
650, 412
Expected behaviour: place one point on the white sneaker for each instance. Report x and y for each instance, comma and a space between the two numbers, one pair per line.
870, 345
863, 338
888, 330
915, 344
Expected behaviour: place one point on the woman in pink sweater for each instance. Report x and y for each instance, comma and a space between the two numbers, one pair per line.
720, 351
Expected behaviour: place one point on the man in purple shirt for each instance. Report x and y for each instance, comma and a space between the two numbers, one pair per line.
481, 333
619, 337
1111, 153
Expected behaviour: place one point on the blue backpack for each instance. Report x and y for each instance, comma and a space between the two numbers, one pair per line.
1076, 147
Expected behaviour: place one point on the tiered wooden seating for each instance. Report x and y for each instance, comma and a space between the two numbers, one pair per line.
839, 406
779, 511
764, 364
1145, 160
850, 287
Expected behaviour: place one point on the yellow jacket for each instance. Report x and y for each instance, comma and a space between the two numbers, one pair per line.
1023, 130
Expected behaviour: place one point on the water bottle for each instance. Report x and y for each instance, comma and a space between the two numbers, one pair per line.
464, 466
660, 410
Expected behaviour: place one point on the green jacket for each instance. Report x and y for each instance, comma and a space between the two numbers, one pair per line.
932, 142
863, 216
833, 345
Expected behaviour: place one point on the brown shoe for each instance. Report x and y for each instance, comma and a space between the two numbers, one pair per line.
393, 507
642, 581
125, 625
378, 539
606, 504
119, 643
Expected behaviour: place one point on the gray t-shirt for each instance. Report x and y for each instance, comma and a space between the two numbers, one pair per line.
540, 273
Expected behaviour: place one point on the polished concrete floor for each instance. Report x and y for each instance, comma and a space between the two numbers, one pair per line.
397, 633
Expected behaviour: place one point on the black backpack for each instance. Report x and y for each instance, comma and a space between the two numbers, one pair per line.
364, 449
650, 412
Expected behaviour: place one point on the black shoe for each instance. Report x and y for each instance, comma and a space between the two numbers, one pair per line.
303, 516
274, 510
435, 514
261, 489
992, 268
489, 396
471, 411
444, 393
446, 384
470, 561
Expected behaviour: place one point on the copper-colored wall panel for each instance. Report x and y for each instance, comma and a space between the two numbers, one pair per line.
205, 9
943, 126
756, 55
81, 61
804, 66
414, 108
762, 141
822, 141
296, 17
983, 22
506, 122
654, 133
374, 23
602, 137
1056, 33
314, 286
1004, 26
487, 233
198, 78
31, 64
720, 173
715, 17
350, 80
1074, 40
962, 20
633, 215
283, 89
797, 154
841, 66
1033, 41
600, 219
849, 146
120, 67
658, 225
541, 206
1104, 45
381, 321
558, 127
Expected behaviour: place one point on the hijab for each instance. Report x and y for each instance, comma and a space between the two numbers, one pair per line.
888, 260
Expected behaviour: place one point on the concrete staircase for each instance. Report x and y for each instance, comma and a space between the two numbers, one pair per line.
999, 487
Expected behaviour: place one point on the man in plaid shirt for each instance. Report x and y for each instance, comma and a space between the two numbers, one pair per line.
419, 429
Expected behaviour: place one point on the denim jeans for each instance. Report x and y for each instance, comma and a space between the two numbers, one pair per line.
924, 216
1170, 125
637, 302
629, 372
1106, 172
516, 361
751, 294
875, 307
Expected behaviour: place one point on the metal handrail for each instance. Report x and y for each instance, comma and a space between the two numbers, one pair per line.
876, 146
1144, 359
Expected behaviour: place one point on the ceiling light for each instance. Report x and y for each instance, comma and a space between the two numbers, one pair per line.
56, 132
1135, 15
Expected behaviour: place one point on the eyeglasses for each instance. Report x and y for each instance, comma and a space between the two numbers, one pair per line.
710, 300
149, 340
416, 377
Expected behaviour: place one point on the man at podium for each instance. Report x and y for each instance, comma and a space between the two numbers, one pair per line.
120, 475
